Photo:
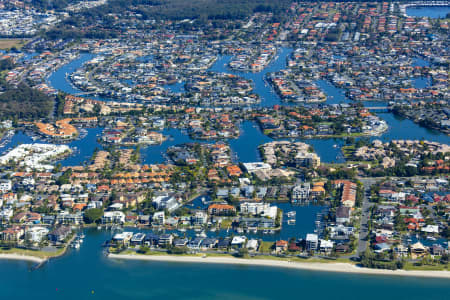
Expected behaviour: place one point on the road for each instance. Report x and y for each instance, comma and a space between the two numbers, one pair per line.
365, 214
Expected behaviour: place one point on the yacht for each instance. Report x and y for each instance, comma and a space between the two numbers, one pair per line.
202, 234
291, 214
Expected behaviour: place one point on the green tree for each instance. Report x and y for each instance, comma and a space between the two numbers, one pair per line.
93, 215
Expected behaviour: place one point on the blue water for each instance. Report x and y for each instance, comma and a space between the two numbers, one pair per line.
177, 87
261, 87
400, 128
431, 12
246, 146
87, 274
59, 81
334, 94
421, 82
58, 78
419, 62
84, 148
155, 154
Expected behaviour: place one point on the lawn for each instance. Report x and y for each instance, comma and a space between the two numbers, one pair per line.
6, 44
266, 247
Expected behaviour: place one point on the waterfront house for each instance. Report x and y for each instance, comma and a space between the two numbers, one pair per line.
13, 233
123, 238
326, 246
151, 239
312, 242
195, 243
224, 243
401, 250
199, 218
221, 210
59, 234
252, 245
117, 217
159, 218
238, 241
181, 242
137, 239
417, 250
209, 243
165, 240
342, 248
281, 246
36, 234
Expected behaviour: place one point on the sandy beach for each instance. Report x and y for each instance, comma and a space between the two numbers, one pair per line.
325, 267
21, 257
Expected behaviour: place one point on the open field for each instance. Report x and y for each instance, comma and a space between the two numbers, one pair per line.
6, 44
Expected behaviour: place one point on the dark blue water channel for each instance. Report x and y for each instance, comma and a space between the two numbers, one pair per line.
87, 274
245, 147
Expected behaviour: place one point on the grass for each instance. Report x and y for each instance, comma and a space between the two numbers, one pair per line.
225, 224
411, 267
265, 247
6, 44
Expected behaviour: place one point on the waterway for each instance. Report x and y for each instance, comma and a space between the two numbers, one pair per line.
431, 12
83, 148
87, 274
260, 85
246, 146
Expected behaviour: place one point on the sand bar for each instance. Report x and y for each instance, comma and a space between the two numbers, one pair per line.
21, 257
326, 267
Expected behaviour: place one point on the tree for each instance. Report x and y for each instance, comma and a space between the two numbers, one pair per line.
64, 178
93, 215
243, 252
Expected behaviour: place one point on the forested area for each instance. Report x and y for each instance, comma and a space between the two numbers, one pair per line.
23, 102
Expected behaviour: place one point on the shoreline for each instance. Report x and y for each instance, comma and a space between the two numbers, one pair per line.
12, 256
322, 267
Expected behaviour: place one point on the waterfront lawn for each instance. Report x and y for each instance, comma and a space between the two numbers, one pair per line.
408, 266
266, 247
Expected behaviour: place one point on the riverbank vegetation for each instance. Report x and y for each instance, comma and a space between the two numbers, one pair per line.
24, 102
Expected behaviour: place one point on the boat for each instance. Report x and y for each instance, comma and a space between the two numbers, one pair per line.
202, 234
291, 222
76, 245
82, 236
182, 230
431, 238
291, 214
